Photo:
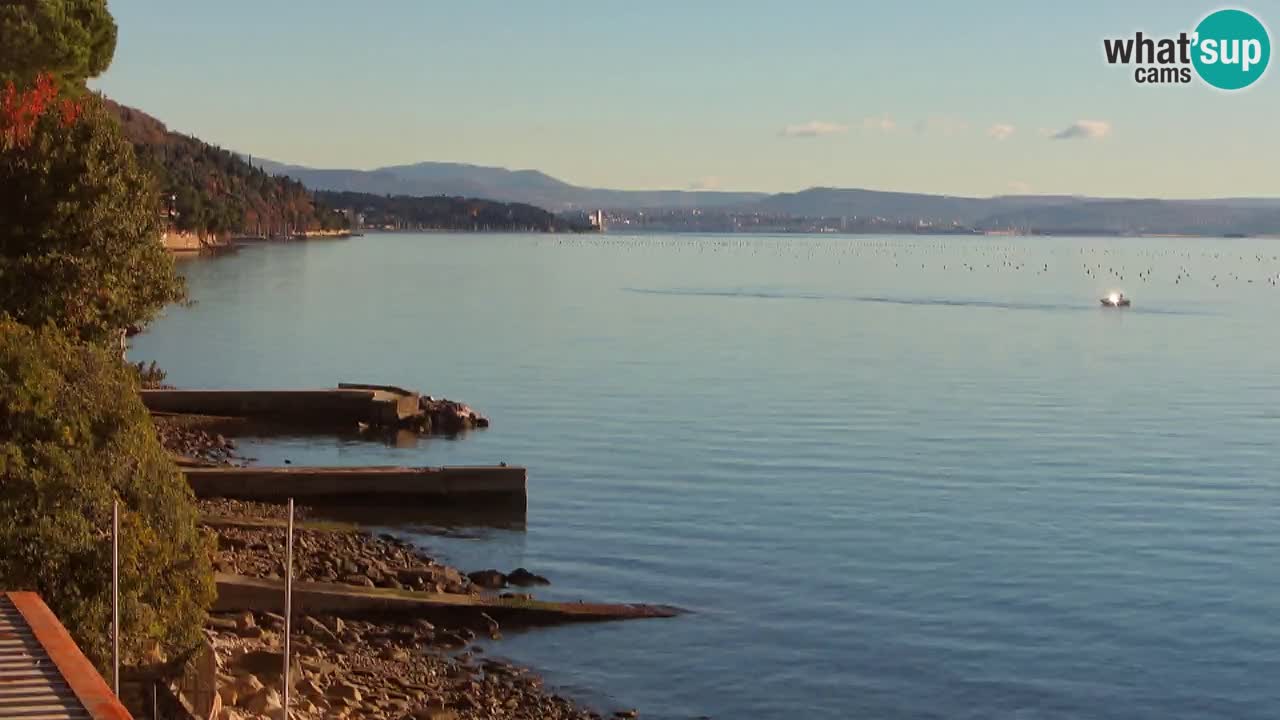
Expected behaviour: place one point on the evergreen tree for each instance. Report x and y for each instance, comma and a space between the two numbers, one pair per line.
71, 39
80, 222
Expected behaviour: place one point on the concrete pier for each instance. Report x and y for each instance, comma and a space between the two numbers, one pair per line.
396, 486
237, 592
347, 404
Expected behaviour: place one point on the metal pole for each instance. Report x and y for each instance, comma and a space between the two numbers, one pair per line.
115, 597
288, 608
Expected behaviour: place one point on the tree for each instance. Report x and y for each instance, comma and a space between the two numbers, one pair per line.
74, 436
70, 39
80, 221
80, 259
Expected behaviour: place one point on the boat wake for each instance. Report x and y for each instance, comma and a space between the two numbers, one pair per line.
760, 294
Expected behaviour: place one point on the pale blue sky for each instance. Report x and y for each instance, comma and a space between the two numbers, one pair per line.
659, 94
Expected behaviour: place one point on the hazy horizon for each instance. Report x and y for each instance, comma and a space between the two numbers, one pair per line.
931, 98
1082, 196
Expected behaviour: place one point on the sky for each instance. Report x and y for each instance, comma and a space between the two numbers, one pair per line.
977, 99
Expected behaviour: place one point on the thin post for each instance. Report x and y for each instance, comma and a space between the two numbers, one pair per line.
115, 597
288, 608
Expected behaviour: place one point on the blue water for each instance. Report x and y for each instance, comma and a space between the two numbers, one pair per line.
886, 488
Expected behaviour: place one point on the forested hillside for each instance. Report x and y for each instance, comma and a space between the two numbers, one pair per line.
213, 190
440, 212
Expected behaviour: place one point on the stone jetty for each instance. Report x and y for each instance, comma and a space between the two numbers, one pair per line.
237, 592
349, 405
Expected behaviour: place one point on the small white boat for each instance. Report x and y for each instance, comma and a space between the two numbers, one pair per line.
1115, 299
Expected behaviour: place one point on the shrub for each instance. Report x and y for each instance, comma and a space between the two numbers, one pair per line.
149, 376
74, 436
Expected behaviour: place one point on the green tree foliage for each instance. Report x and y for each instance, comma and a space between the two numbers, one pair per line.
74, 436
71, 39
80, 223
215, 190
440, 212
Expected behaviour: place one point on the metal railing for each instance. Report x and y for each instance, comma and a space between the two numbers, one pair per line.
285, 676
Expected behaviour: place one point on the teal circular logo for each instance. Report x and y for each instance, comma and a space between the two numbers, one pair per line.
1232, 49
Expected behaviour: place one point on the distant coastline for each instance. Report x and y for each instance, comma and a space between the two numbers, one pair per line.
931, 232
190, 243
816, 209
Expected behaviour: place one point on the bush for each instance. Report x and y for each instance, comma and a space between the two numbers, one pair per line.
149, 376
74, 436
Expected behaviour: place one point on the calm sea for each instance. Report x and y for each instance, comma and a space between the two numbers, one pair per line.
891, 477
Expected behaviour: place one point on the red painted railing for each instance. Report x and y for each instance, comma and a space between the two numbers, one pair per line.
53, 645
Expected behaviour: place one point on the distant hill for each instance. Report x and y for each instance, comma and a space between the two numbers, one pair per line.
1056, 213
215, 190
218, 191
1030, 213
523, 186
892, 206
1142, 216
439, 212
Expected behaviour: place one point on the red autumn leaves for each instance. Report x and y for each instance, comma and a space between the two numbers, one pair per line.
21, 110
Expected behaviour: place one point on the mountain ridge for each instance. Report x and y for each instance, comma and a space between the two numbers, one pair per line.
1034, 213
496, 183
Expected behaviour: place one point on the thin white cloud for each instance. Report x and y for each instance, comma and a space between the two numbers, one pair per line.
814, 128
1084, 130
1019, 187
883, 123
710, 182
1001, 131
941, 125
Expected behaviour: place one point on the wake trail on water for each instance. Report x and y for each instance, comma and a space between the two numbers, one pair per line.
919, 301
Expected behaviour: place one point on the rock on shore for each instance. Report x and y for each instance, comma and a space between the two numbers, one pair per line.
354, 558
449, 417
195, 444
250, 541
357, 669
228, 508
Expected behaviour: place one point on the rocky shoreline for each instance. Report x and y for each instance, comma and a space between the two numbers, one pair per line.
354, 667
192, 444
344, 556
367, 667
362, 669
340, 555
